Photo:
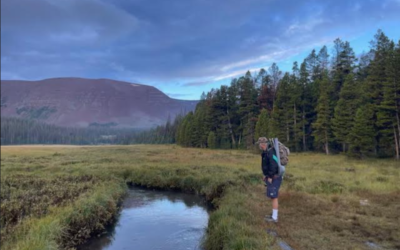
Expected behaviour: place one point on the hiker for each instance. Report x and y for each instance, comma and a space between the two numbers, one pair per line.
272, 178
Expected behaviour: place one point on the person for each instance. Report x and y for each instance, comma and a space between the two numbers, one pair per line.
273, 180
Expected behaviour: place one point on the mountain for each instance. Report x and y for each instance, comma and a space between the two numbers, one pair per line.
78, 102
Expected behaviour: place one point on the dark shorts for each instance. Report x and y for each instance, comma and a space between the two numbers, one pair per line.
273, 188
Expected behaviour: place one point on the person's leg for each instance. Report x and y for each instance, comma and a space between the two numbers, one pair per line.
275, 208
275, 203
277, 183
272, 192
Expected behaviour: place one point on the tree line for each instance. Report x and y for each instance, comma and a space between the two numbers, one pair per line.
329, 103
27, 131
18, 131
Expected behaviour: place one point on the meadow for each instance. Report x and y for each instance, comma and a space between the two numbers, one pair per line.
56, 197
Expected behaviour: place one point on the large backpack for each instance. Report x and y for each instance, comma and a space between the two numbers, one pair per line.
282, 153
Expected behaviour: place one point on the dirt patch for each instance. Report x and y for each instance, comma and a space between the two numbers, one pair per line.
309, 221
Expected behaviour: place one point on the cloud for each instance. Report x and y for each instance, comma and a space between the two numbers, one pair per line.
226, 76
273, 56
306, 26
177, 95
235, 74
64, 21
167, 41
197, 83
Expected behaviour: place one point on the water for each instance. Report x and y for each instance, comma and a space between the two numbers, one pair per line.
156, 220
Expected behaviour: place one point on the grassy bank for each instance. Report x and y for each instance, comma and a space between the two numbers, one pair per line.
54, 197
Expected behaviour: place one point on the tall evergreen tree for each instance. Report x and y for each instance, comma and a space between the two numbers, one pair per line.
211, 140
362, 136
388, 112
312, 65
248, 110
345, 111
307, 108
275, 76
188, 132
322, 126
281, 114
377, 76
232, 111
342, 66
323, 58
262, 125
266, 93
296, 105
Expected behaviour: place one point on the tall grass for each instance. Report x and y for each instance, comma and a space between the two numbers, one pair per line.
69, 225
319, 201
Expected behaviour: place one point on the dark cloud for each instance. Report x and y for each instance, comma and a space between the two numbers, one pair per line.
199, 41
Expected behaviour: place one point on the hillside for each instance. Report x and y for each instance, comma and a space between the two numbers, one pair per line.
79, 102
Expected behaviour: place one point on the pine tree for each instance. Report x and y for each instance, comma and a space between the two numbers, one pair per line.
266, 93
248, 110
377, 76
313, 68
180, 132
342, 66
262, 125
362, 136
221, 110
363, 65
323, 58
275, 76
199, 127
203, 96
282, 111
232, 112
295, 106
306, 105
322, 126
345, 111
211, 140
188, 132
377, 72
387, 112
260, 77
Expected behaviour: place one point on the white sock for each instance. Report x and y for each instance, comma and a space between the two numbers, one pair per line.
275, 214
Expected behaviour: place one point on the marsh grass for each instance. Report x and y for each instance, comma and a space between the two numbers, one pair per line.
76, 192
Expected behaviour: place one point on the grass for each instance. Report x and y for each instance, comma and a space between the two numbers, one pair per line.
55, 197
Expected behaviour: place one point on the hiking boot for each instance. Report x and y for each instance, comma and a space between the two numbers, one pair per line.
270, 219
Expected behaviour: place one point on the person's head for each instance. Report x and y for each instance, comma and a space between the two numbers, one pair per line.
263, 146
262, 143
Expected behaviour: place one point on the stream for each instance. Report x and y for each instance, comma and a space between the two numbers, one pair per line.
155, 220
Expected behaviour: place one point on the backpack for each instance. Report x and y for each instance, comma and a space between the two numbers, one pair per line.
282, 153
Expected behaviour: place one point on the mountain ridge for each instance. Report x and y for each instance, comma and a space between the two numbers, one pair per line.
83, 102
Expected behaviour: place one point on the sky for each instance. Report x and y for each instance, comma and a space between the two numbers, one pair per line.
182, 47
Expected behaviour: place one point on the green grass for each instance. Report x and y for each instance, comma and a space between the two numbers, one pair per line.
55, 197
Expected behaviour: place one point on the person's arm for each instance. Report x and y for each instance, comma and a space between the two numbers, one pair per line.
264, 163
273, 165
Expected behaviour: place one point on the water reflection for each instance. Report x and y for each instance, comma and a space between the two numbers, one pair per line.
156, 220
